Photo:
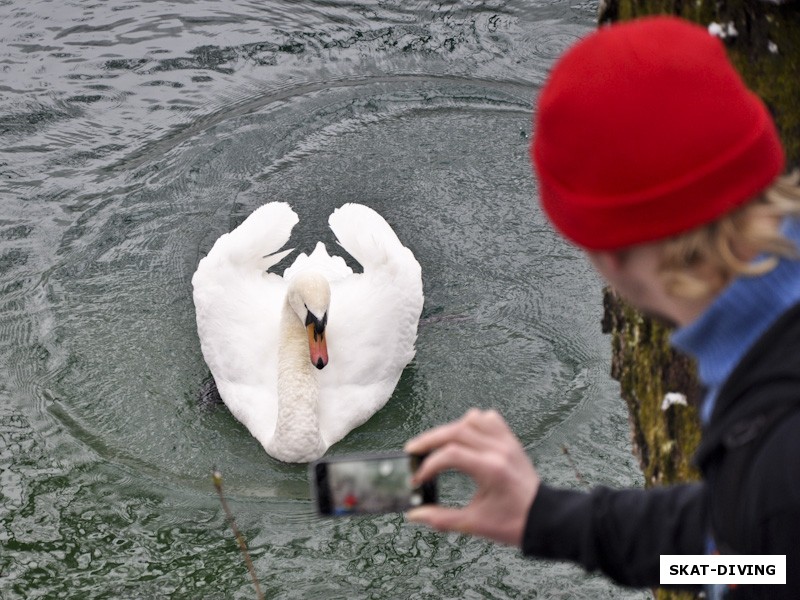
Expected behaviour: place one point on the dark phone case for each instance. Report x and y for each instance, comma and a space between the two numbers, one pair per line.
318, 472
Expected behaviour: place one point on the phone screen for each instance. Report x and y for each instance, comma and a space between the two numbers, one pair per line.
369, 485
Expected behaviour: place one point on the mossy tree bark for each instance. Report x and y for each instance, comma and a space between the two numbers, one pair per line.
766, 51
664, 438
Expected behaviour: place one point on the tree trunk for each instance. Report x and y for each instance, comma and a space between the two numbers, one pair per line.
763, 41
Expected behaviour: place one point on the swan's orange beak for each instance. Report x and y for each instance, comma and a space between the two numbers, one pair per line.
316, 345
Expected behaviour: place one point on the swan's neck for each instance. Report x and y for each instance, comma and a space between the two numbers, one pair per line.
297, 436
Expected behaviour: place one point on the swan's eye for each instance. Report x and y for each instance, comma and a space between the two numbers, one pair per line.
319, 325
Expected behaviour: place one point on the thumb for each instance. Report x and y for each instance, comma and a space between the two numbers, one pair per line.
439, 517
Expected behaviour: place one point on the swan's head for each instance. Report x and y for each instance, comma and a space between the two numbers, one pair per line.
309, 295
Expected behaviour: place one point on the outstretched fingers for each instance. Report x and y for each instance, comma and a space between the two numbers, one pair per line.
476, 428
455, 456
481, 445
464, 445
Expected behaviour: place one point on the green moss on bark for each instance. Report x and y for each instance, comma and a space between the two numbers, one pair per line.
647, 369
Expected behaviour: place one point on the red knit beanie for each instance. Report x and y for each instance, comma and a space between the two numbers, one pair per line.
644, 130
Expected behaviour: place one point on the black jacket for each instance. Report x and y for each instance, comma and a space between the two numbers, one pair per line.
749, 498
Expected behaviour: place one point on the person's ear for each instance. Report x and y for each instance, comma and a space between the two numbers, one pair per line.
607, 262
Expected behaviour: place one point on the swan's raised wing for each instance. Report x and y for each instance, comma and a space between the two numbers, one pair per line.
372, 321
238, 305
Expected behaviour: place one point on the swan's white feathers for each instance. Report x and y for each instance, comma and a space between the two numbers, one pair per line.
232, 293
372, 317
265, 231
386, 300
366, 236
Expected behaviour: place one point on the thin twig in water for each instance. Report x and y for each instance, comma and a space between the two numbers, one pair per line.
578, 475
216, 477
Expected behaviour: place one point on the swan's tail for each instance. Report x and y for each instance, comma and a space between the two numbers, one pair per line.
366, 236
257, 240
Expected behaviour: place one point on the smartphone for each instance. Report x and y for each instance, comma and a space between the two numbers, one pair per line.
368, 484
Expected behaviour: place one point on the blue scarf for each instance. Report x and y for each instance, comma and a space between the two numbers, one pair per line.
723, 334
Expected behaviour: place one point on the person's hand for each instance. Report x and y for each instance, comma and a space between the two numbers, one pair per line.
481, 445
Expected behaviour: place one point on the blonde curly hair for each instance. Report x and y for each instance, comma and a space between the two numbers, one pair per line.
702, 261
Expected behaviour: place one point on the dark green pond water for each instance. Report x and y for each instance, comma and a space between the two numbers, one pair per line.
132, 135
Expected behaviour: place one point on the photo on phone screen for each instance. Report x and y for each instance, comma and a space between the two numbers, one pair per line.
352, 485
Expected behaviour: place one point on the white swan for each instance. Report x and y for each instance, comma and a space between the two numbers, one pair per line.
303, 359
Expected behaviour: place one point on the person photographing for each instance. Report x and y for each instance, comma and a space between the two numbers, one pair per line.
653, 157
